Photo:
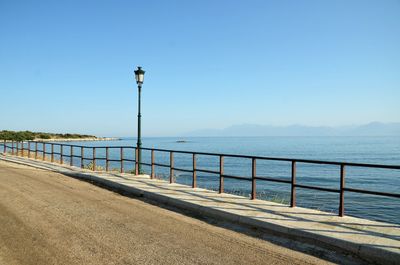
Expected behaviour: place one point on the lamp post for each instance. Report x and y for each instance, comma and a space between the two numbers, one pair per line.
139, 75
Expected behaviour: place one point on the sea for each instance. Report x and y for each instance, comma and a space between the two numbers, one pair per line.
379, 150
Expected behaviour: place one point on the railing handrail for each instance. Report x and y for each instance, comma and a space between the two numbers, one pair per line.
282, 159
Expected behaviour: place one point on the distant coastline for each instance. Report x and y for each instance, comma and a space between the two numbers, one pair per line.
89, 139
245, 130
18, 136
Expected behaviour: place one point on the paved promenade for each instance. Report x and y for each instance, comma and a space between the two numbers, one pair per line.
50, 218
372, 241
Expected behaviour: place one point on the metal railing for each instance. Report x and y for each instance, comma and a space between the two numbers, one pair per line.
17, 148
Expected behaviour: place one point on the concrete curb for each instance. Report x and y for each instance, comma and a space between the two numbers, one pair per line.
365, 252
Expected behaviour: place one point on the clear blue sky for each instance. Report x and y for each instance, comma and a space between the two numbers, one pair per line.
67, 66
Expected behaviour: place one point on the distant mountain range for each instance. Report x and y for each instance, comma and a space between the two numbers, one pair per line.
370, 129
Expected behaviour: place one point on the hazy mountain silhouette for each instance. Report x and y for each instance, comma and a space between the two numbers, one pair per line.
370, 129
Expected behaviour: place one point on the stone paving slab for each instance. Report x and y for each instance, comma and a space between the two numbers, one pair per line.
372, 241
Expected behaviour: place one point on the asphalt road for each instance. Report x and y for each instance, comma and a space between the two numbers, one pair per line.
49, 218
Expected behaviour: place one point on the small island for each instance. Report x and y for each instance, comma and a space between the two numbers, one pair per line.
6, 135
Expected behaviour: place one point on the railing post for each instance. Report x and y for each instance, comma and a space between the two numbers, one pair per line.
171, 167
122, 159
52, 153
136, 161
22, 148
61, 154
342, 183
94, 158
36, 150
29, 149
17, 148
293, 190
4, 147
253, 178
107, 158
12, 147
44, 151
71, 162
221, 174
82, 157
152, 165
194, 180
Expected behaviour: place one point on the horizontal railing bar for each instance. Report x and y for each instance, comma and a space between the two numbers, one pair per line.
273, 179
162, 150
316, 188
77, 156
380, 193
207, 171
144, 163
365, 165
161, 165
130, 160
113, 147
182, 169
114, 160
236, 177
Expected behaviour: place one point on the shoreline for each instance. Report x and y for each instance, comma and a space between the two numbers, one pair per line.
86, 139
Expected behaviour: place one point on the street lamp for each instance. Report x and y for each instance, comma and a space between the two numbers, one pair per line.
139, 75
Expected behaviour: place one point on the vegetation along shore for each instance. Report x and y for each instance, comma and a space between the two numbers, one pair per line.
48, 137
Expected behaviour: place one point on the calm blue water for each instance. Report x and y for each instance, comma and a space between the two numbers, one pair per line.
383, 150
